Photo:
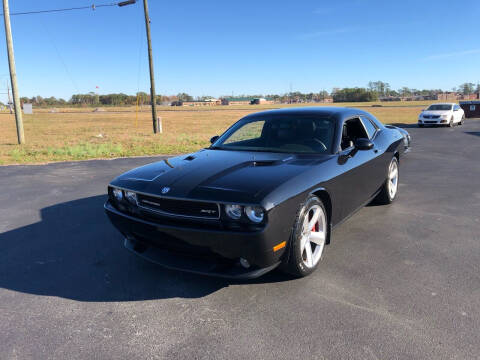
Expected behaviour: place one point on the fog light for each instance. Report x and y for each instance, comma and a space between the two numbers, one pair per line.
244, 263
117, 194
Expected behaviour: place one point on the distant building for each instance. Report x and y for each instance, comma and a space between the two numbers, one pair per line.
447, 96
391, 98
236, 101
469, 97
261, 101
246, 101
325, 100
206, 102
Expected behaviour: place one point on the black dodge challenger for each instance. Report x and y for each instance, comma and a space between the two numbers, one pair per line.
266, 193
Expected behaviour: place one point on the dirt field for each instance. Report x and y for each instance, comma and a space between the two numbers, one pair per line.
82, 133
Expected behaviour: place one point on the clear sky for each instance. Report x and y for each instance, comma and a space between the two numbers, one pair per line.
218, 47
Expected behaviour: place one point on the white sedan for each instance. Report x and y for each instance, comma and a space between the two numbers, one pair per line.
442, 114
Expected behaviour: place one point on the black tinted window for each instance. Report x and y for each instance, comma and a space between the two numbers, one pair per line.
440, 107
369, 126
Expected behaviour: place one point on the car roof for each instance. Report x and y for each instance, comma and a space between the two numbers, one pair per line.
443, 104
327, 111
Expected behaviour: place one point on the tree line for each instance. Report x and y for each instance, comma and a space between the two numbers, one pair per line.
374, 91
93, 99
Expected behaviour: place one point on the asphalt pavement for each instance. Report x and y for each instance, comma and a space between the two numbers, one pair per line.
397, 282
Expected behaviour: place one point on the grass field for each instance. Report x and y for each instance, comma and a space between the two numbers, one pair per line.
80, 133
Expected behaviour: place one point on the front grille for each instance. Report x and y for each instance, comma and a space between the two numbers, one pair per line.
430, 122
174, 207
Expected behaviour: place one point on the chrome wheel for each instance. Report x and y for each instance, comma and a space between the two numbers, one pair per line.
393, 179
312, 241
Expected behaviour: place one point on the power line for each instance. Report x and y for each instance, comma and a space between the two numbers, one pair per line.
92, 7
60, 56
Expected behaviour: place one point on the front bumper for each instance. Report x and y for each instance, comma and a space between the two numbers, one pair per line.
200, 250
433, 121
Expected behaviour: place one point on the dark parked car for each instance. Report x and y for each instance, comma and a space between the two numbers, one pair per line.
266, 193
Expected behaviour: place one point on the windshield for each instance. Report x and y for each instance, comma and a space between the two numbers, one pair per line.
286, 133
440, 107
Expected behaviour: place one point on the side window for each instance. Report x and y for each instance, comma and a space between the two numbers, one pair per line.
352, 130
371, 129
249, 131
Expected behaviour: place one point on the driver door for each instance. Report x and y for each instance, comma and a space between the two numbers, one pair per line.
360, 169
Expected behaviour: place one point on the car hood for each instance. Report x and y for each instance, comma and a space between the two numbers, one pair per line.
218, 175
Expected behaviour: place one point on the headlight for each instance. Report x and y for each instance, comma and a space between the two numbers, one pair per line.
444, 116
131, 197
117, 194
254, 213
233, 211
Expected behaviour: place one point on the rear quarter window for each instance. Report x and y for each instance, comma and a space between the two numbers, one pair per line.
371, 129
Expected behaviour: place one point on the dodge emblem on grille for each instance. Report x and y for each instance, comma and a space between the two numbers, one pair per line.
165, 190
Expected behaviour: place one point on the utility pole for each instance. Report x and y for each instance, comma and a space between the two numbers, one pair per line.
153, 97
13, 74
9, 99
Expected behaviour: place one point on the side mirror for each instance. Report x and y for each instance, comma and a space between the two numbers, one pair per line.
363, 144
213, 139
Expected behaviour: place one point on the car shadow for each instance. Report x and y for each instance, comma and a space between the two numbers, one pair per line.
405, 126
74, 252
475, 133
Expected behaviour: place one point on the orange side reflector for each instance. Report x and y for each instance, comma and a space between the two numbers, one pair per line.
279, 246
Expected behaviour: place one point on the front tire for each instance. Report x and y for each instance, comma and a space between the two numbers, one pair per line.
452, 122
308, 238
390, 188
420, 125
462, 120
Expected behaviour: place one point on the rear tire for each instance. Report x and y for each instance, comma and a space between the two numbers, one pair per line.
390, 188
308, 238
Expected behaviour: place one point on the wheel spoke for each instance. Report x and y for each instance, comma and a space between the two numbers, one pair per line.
308, 252
317, 237
314, 219
393, 173
303, 241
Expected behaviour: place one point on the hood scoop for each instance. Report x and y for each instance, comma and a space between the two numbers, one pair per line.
189, 158
264, 162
